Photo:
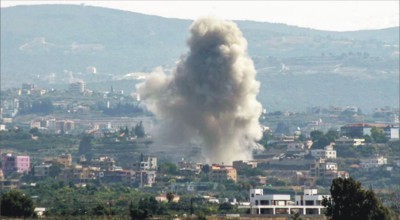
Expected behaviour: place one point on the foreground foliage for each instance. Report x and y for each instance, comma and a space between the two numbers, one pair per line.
349, 201
16, 204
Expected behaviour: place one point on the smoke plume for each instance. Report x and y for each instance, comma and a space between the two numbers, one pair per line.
211, 94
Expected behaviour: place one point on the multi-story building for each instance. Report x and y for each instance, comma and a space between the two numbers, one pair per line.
64, 159
120, 176
53, 124
190, 167
104, 163
12, 163
145, 171
22, 164
9, 184
65, 125
220, 173
77, 87
391, 132
79, 174
7, 164
42, 170
272, 204
327, 152
144, 178
145, 163
374, 162
324, 169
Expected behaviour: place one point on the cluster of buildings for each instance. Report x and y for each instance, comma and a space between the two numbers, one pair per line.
143, 172
323, 168
29, 88
217, 172
189, 167
391, 131
22, 99
52, 124
11, 163
328, 152
103, 169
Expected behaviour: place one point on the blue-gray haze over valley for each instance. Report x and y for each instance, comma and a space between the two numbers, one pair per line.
52, 45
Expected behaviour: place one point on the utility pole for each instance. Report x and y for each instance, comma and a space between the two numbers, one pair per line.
191, 206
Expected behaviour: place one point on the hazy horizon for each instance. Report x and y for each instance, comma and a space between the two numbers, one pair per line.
327, 15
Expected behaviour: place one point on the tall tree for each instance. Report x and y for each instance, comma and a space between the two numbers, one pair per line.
16, 204
316, 135
349, 201
206, 168
378, 135
170, 196
85, 145
139, 130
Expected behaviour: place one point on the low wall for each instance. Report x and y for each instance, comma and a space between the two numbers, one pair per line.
267, 217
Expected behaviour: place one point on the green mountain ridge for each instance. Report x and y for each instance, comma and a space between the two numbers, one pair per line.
297, 67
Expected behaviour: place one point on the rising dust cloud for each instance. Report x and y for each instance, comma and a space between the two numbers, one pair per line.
211, 94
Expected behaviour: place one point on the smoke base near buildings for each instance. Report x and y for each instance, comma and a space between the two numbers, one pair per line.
210, 96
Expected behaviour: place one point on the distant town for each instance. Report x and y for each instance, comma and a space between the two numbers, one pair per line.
60, 146
113, 114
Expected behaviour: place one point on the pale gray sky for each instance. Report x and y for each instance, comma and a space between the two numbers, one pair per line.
323, 15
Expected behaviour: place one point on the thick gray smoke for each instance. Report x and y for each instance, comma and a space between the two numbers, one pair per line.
211, 94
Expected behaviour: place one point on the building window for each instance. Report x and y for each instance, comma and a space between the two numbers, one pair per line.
309, 202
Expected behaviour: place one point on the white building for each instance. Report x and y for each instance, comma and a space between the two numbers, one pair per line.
327, 152
146, 163
40, 211
350, 141
310, 198
392, 132
2, 127
307, 204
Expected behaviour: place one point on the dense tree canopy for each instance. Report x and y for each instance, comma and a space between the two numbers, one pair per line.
168, 168
378, 135
349, 201
16, 204
170, 196
321, 140
139, 130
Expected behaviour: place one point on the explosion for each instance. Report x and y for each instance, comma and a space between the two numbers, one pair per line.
211, 93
